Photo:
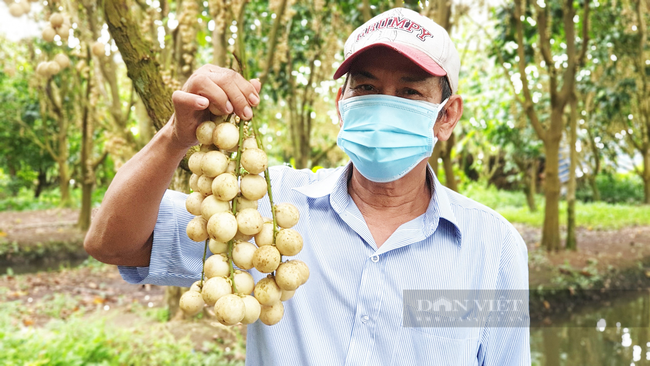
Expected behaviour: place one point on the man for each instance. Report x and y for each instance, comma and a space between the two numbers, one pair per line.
373, 229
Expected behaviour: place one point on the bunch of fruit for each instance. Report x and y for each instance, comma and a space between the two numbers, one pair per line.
58, 25
227, 185
51, 68
18, 9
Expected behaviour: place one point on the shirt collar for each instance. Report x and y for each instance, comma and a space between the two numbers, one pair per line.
336, 186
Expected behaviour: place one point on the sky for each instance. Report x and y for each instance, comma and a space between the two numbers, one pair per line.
18, 28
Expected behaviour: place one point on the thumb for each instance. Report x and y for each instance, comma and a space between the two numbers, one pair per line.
187, 102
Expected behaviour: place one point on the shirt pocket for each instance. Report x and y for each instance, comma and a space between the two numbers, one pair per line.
438, 346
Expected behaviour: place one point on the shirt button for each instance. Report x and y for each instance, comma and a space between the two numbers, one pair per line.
364, 319
375, 258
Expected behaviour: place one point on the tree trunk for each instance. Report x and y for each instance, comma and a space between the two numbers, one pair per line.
551, 229
646, 177
594, 187
365, 10
42, 181
64, 182
571, 243
142, 68
450, 179
530, 183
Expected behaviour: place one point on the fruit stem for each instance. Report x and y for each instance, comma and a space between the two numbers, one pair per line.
232, 270
267, 176
205, 252
234, 203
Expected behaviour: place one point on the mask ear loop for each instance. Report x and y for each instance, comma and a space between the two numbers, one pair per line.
440, 109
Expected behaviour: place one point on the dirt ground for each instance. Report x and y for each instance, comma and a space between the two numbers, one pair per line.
99, 291
31, 227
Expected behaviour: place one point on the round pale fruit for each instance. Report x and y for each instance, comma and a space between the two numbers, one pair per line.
225, 187
204, 184
250, 143
217, 246
62, 60
194, 179
266, 258
286, 215
196, 286
194, 162
204, 132
243, 203
286, 295
41, 69
196, 229
214, 163
16, 10
249, 221
208, 148
53, 68
289, 242
211, 205
265, 236
193, 203
267, 291
304, 270
254, 160
63, 31
242, 237
26, 6
253, 187
242, 254
215, 288
244, 282
56, 20
226, 136
191, 303
99, 49
253, 309
48, 34
222, 226
271, 315
230, 309
217, 266
288, 276
232, 166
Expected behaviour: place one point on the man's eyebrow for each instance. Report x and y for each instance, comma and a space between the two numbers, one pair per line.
365, 74
415, 79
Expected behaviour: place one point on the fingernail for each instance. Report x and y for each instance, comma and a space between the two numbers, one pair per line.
248, 112
203, 103
228, 107
254, 99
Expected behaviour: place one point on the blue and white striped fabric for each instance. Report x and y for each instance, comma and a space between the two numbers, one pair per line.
350, 311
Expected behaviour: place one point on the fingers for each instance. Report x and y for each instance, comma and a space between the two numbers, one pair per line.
188, 102
226, 90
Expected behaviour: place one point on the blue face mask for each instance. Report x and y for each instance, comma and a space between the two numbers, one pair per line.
387, 136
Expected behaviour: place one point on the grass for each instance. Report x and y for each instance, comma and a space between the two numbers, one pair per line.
25, 201
80, 341
593, 215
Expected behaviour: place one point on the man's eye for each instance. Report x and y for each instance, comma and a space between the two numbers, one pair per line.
364, 87
411, 92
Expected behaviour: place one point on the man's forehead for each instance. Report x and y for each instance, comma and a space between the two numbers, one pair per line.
403, 75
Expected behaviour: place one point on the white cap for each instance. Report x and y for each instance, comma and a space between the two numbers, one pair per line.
413, 35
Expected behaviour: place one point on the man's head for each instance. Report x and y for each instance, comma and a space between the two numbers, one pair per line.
404, 54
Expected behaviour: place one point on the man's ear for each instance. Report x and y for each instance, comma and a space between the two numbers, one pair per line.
444, 126
339, 94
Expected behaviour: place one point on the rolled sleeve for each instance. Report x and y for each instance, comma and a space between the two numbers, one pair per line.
175, 259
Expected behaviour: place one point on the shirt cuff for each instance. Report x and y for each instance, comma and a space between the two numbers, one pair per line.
175, 259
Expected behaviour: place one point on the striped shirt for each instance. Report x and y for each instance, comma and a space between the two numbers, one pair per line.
351, 310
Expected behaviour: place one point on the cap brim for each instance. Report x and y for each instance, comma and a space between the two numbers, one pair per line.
418, 57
